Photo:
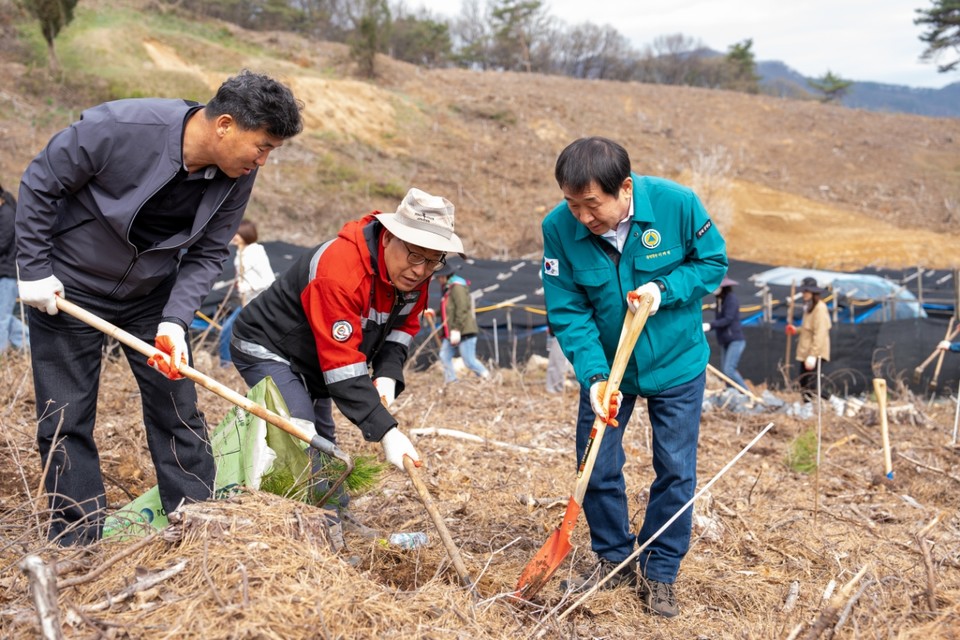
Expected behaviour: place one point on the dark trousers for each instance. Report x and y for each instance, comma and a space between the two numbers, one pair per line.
675, 423
808, 383
66, 355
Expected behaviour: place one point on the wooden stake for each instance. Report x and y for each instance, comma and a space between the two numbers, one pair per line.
880, 388
43, 584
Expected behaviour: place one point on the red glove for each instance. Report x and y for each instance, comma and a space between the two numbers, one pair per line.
790, 330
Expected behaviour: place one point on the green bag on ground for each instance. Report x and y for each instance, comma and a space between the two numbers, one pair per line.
247, 451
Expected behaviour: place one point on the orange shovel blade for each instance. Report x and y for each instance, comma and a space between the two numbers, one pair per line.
550, 556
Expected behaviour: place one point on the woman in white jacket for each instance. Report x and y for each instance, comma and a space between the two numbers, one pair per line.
254, 275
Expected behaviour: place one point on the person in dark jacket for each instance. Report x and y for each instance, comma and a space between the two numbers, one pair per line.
459, 322
349, 307
128, 213
726, 324
12, 331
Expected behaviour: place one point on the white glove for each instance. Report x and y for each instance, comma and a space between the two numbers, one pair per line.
171, 339
651, 289
387, 388
454, 337
396, 445
810, 363
597, 390
943, 346
42, 294
706, 327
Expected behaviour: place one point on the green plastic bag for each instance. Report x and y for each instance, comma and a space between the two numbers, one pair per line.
247, 451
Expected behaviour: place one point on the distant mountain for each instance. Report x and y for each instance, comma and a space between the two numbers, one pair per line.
778, 79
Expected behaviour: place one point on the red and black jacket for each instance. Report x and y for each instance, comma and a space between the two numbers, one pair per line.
335, 317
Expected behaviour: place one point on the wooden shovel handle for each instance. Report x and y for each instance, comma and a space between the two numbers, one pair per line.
317, 442
950, 335
411, 468
633, 325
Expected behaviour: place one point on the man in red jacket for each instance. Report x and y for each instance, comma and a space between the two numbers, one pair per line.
348, 307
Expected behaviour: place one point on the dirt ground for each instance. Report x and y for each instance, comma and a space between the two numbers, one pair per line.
770, 545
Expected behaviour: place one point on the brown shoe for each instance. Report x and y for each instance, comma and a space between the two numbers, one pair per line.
659, 597
601, 570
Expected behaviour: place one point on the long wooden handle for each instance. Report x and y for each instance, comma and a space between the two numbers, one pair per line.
739, 387
880, 389
937, 352
786, 358
634, 323
315, 441
431, 507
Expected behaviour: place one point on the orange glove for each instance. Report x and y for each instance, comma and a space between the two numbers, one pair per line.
790, 330
607, 414
171, 339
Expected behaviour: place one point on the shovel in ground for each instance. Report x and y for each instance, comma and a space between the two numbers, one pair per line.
552, 554
315, 441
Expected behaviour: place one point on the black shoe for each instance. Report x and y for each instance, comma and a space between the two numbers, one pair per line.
658, 597
601, 570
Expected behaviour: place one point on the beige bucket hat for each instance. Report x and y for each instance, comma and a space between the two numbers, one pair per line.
424, 220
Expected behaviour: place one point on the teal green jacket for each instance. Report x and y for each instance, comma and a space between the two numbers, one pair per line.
672, 241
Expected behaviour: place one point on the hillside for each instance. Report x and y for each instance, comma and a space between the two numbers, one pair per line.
788, 181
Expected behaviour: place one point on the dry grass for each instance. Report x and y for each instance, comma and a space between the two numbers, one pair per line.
270, 575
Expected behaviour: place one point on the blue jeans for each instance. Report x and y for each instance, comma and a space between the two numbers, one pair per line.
12, 331
675, 419
226, 330
468, 351
730, 360
66, 355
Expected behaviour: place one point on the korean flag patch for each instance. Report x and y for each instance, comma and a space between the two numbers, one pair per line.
342, 330
551, 266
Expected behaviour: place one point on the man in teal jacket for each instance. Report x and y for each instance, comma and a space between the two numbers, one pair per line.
614, 233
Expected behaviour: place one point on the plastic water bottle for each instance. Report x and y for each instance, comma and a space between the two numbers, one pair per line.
408, 540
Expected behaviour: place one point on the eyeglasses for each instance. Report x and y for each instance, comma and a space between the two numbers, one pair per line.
418, 258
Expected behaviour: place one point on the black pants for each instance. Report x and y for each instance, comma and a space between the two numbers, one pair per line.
808, 383
66, 355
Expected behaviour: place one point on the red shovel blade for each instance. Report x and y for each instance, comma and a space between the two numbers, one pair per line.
550, 556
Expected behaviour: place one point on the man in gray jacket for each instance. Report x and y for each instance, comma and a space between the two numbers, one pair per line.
128, 212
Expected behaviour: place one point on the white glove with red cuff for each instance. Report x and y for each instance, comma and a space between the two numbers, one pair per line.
171, 339
607, 414
387, 388
42, 294
651, 289
396, 445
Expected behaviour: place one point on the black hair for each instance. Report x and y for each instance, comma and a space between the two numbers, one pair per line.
594, 159
257, 101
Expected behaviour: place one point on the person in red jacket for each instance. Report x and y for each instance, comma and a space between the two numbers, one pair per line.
349, 307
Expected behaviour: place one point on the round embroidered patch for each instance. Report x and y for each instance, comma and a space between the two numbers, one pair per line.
342, 330
651, 239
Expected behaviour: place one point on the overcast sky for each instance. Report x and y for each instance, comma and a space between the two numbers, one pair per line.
872, 40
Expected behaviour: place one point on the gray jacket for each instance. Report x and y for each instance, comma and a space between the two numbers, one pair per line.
80, 195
